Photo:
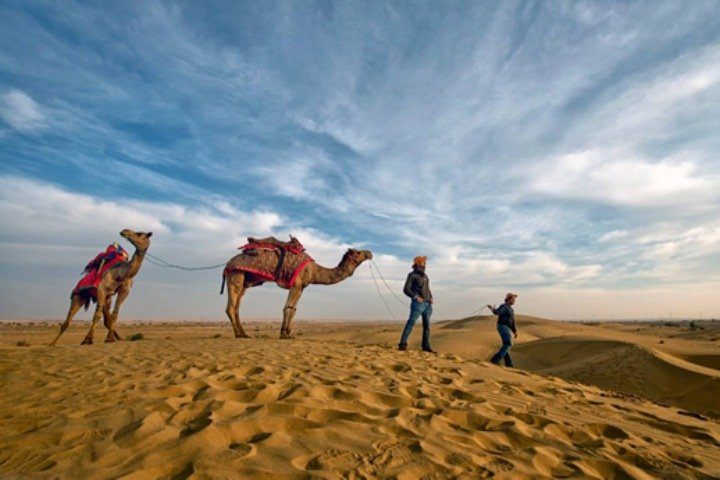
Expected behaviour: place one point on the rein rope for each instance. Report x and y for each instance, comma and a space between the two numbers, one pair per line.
405, 303
162, 263
377, 287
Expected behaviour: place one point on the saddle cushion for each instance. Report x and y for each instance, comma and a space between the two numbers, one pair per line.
107, 260
265, 264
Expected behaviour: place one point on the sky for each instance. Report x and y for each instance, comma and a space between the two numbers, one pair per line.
565, 151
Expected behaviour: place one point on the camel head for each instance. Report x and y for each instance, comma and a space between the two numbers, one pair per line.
141, 240
356, 257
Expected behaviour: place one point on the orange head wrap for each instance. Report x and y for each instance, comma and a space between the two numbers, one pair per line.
420, 261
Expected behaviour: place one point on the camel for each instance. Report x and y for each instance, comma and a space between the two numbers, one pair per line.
246, 270
117, 280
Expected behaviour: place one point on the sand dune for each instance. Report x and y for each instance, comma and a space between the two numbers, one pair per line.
326, 406
667, 365
626, 367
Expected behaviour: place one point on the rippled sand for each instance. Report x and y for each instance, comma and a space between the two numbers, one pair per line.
340, 401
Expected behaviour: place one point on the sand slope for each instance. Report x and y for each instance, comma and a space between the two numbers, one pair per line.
667, 365
195, 406
626, 367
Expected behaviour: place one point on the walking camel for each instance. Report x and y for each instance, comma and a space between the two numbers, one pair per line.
288, 266
116, 280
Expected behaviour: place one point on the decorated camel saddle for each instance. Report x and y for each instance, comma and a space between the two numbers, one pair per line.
270, 259
113, 256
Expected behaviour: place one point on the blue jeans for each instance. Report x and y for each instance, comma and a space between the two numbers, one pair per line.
417, 309
504, 352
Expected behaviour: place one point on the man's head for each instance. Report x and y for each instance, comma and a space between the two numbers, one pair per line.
510, 298
419, 262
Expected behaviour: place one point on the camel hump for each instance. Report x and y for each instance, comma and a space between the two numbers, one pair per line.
293, 245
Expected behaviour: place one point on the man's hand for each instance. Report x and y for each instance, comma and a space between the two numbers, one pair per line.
515, 335
419, 298
489, 306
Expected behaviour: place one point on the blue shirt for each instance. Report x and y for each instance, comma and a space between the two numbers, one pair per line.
506, 316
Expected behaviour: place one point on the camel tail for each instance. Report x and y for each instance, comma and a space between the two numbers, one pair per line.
85, 297
222, 286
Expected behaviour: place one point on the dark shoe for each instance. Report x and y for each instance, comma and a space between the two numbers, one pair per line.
402, 347
429, 350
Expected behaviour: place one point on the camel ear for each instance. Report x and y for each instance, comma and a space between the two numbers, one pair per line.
149, 234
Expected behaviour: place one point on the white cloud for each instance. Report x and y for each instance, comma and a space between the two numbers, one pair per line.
298, 178
21, 112
601, 176
613, 235
37, 212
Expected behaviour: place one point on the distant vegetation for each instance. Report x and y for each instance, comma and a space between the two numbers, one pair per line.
23, 343
137, 336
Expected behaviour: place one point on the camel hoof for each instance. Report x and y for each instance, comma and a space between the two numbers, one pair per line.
87, 341
287, 337
244, 335
110, 340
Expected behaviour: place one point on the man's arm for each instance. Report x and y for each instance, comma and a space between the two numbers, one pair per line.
498, 310
512, 324
408, 286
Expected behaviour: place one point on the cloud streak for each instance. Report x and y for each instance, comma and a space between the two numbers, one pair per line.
20, 111
540, 146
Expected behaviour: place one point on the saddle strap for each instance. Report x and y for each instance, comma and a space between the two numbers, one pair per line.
281, 260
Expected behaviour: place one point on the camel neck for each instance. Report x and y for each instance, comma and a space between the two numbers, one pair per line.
330, 276
136, 262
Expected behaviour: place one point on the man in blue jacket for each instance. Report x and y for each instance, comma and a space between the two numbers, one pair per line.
417, 287
506, 329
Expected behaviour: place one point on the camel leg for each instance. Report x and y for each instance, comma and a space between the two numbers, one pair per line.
236, 289
289, 311
101, 299
106, 313
112, 318
76, 304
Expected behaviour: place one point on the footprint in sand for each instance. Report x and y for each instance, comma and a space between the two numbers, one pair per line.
197, 424
498, 465
336, 460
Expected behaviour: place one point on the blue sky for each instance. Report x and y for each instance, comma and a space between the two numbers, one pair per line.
564, 150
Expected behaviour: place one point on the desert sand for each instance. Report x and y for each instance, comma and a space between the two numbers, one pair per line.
339, 401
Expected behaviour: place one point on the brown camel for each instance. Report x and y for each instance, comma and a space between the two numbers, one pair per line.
250, 269
118, 280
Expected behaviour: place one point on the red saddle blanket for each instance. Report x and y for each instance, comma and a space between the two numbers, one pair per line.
282, 266
111, 258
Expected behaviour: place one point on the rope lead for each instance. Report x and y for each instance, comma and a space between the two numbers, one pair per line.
377, 287
162, 263
372, 262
